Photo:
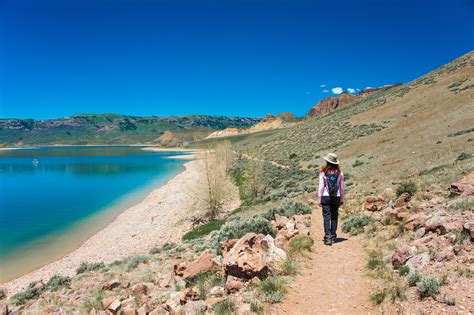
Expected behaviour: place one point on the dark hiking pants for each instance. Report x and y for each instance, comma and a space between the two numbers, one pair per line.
330, 213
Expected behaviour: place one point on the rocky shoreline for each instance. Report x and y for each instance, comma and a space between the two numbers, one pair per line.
157, 219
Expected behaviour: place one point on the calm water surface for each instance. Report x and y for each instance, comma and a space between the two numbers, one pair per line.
54, 198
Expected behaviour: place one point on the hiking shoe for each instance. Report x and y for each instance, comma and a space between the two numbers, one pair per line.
333, 240
327, 242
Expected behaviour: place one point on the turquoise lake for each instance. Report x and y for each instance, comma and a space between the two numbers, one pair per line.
54, 198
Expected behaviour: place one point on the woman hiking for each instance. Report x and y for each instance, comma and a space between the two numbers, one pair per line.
331, 195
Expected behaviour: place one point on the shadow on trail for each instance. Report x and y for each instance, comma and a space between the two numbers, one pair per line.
340, 240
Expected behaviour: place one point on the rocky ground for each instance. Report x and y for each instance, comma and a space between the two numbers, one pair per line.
420, 248
240, 275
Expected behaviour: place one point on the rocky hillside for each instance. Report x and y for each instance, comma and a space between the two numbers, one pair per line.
334, 102
270, 122
114, 129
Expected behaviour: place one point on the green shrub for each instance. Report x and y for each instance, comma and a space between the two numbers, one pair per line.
407, 187
29, 294
95, 302
203, 230
238, 228
289, 268
299, 245
464, 156
226, 307
165, 247
204, 281
413, 277
88, 267
3, 294
289, 208
357, 163
403, 270
131, 262
256, 307
355, 224
57, 282
374, 263
273, 289
464, 272
428, 286
378, 297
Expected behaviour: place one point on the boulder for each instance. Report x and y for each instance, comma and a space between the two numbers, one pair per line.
188, 270
401, 255
172, 304
193, 307
114, 306
218, 291
253, 255
107, 301
469, 228
112, 284
210, 302
374, 203
228, 244
419, 261
166, 281
233, 284
280, 221
446, 254
436, 224
188, 294
140, 288
402, 200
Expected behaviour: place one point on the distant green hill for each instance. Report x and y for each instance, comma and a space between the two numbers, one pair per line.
115, 129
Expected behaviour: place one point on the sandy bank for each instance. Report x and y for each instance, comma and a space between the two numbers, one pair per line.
157, 219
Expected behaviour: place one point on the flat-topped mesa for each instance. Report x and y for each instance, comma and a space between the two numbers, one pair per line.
268, 123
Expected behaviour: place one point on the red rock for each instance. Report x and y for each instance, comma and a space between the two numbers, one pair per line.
213, 300
191, 294
253, 255
419, 261
167, 281
373, 203
140, 288
228, 244
115, 306
331, 103
188, 270
107, 301
402, 200
401, 255
233, 284
112, 284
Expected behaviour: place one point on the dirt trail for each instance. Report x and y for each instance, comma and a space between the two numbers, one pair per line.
247, 156
333, 281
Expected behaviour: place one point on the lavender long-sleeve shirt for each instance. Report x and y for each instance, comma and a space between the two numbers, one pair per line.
324, 190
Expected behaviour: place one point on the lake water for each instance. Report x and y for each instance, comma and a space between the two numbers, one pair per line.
54, 198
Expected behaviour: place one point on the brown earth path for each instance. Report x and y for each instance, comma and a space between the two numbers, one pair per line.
333, 281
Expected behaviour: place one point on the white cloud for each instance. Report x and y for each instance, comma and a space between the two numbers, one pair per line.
325, 91
322, 85
358, 90
368, 87
337, 90
351, 90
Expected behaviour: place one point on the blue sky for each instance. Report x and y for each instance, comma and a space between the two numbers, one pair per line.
242, 57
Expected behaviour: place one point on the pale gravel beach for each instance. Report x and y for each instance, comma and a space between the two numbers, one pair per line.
157, 219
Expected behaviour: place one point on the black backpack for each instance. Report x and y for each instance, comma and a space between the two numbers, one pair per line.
332, 184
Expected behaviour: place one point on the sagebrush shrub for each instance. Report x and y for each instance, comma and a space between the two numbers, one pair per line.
87, 267
428, 286
289, 208
299, 245
413, 277
355, 224
407, 187
273, 289
238, 228
57, 282
226, 307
